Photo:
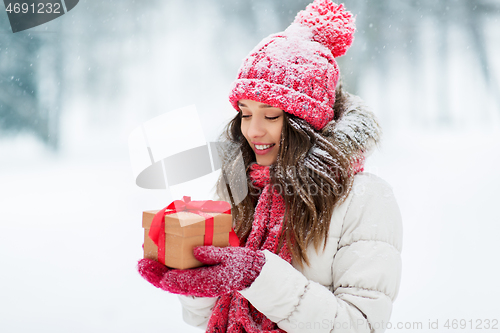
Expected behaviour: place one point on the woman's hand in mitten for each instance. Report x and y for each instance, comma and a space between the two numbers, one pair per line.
232, 269
152, 271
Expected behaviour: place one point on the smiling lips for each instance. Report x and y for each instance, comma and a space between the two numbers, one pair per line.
262, 149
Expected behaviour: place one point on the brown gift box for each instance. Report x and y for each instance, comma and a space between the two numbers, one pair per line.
184, 231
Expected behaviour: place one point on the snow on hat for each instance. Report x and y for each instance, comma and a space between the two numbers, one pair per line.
295, 70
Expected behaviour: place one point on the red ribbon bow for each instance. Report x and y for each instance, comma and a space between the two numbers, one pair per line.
157, 230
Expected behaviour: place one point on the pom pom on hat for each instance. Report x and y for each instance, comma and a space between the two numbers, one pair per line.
331, 25
295, 70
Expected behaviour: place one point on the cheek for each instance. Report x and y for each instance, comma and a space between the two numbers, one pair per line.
243, 129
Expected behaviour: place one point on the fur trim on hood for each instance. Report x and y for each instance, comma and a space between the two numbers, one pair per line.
357, 131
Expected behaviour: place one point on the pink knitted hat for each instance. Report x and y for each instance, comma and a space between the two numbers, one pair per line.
295, 70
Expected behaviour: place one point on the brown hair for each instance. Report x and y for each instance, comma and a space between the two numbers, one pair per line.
311, 172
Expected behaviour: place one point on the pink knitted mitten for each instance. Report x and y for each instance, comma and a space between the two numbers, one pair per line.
232, 269
152, 271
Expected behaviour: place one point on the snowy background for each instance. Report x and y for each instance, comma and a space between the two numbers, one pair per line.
72, 90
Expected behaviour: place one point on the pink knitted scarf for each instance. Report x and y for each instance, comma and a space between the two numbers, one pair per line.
232, 312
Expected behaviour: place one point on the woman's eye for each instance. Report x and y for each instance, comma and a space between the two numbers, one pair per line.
272, 118
245, 115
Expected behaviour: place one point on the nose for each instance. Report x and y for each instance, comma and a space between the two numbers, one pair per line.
256, 128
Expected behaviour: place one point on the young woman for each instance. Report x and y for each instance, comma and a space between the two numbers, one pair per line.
320, 240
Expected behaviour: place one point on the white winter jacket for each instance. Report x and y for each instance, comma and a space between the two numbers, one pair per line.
348, 287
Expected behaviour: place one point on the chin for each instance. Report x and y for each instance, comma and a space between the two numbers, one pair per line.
264, 162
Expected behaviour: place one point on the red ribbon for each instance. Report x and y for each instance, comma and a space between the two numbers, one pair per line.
157, 229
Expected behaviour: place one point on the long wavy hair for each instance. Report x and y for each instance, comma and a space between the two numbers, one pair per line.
311, 172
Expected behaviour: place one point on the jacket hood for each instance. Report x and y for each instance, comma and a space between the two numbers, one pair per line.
357, 131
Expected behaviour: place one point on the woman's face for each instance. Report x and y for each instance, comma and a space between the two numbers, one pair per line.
261, 125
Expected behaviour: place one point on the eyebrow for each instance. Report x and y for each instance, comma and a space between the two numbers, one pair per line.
260, 106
